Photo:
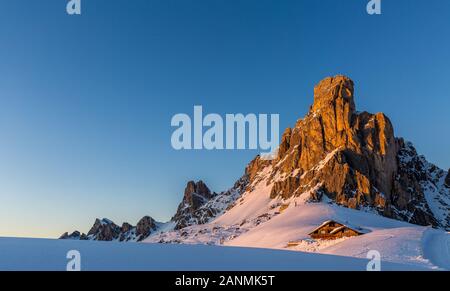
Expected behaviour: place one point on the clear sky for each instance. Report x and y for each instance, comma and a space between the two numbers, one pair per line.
86, 101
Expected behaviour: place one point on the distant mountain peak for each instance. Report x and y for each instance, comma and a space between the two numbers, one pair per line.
106, 230
200, 205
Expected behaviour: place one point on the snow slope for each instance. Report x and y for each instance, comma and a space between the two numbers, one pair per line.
437, 248
259, 222
42, 255
251, 204
396, 241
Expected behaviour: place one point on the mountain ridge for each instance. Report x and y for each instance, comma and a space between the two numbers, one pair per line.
334, 154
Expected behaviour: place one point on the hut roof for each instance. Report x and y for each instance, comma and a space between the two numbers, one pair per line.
347, 225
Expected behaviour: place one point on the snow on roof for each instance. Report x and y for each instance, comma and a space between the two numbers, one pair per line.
346, 224
337, 229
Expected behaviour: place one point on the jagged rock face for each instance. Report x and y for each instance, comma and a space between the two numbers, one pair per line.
199, 205
351, 157
126, 227
106, 230
76, 235
196, 194
144, 227
420, 193
363, 144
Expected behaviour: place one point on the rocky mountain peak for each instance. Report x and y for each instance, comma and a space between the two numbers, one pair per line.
354, 159
334, 154
334, 92
76, 235
144, 227
106, 230
195, 193
200, 205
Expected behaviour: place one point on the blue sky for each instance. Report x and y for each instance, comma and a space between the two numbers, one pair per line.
86, 101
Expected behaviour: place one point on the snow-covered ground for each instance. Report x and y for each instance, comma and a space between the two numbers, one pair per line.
246, 238
43, 254
396, 241
257, 233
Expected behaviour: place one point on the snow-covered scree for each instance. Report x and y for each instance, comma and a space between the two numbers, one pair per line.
432, 182
50, 255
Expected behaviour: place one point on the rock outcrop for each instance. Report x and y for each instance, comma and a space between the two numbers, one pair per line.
196, 194
447, 179
144, 227
200, 205
106, 230
76, 235
361, 147
351, 157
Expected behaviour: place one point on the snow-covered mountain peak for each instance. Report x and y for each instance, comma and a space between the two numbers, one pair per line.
335, 163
